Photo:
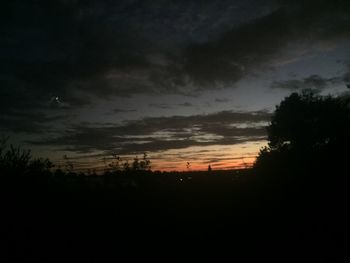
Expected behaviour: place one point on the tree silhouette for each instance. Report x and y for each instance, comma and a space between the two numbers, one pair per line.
69, 165
209, 168
307, 129
308, 121
145, 163
141, 165
115, 165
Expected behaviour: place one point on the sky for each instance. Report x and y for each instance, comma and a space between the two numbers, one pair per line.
183, 81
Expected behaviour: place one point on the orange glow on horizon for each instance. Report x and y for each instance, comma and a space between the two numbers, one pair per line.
239, 163
219, 157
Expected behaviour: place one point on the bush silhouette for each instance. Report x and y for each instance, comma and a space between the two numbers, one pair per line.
17, 163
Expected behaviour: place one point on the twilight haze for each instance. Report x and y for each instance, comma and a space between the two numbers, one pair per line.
184, 81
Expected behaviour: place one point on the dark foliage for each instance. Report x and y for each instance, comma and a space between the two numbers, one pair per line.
304, 167
17, 164
309, 133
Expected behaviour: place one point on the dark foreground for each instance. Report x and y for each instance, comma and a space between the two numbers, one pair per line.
217, 216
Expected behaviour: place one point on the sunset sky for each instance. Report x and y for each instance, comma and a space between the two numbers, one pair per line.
184, 81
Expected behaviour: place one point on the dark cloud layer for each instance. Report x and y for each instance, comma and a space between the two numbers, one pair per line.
163, 133
119, 48
106, 48
253, 44
170, 106
160, 105
221, 100
314, 82
117, 110
28, 122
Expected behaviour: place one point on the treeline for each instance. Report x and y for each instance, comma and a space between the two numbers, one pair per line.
19, 169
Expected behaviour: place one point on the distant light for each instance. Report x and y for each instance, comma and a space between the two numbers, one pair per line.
55, 100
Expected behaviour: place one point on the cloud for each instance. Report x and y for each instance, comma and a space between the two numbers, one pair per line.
222, 100
103, 48
163, 133
346, 77
160, 105
169, 106
256, 43
314, 82
117, 110
66, 48
79, 50
28, 122
185, 104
